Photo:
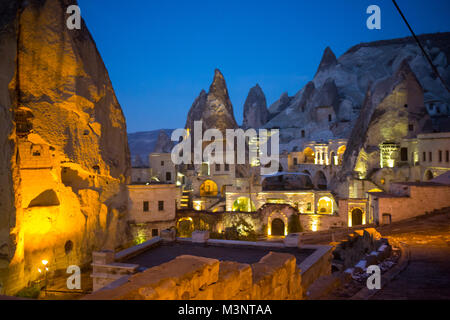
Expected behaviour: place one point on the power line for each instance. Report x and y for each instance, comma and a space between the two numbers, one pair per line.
436, 71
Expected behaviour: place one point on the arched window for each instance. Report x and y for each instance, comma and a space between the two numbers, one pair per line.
325, 205
308, 153
340, 154
208, 189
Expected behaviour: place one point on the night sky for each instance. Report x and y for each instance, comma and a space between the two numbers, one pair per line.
160, 54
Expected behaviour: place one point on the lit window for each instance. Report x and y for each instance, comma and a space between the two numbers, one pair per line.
325, 205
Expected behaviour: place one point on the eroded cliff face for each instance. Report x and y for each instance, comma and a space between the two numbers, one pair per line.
66, 161
393, 110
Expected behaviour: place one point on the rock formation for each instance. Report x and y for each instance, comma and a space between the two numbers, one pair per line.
279, 105
328, 60
255, 109
341, 84
213, 108
65, 158
163, 144
393, 109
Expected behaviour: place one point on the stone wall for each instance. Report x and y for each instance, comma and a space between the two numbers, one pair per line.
420, 198
275, 277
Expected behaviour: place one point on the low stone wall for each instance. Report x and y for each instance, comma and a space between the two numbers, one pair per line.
316, 265
275, 277
106, 266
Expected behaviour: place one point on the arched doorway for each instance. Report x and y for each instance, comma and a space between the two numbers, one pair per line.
320, 180
185, 226
357, 217
277, 227
429, 175
208, 189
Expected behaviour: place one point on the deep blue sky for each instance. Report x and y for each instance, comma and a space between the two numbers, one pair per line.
160, 54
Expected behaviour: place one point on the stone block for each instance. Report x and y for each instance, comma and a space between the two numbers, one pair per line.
292, 240
168, 235
200, 236
103, 257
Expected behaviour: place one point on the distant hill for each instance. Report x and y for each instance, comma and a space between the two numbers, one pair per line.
142, 144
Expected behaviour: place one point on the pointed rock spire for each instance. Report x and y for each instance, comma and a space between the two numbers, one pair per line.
213, 108
255, 109
328, 60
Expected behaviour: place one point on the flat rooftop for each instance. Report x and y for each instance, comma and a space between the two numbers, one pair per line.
243, 254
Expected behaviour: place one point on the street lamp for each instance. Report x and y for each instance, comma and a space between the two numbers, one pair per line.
44, 263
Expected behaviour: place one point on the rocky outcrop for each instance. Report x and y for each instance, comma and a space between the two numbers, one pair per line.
279, 105
341, 84
213, 108
328, 60
65, 159
163, 144
393, 109
255, 109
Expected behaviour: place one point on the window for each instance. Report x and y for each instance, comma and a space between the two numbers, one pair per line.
295, 161
424, 156
410, 127
308, 206
330, 118
217, 167
387, 218
440, 155
430, 156
303, 133
404, 154
406, 105
36, 153
168, 176
447, 156
227, 167
146, 206
154, 232
162, 163
160, 205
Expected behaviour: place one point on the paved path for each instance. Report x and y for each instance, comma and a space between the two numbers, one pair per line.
427, 275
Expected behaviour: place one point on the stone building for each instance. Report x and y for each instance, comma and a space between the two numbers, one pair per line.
152, 208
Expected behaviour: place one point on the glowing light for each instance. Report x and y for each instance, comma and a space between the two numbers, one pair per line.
390, 163
39, 269
44, 262
325, 205
197, 205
